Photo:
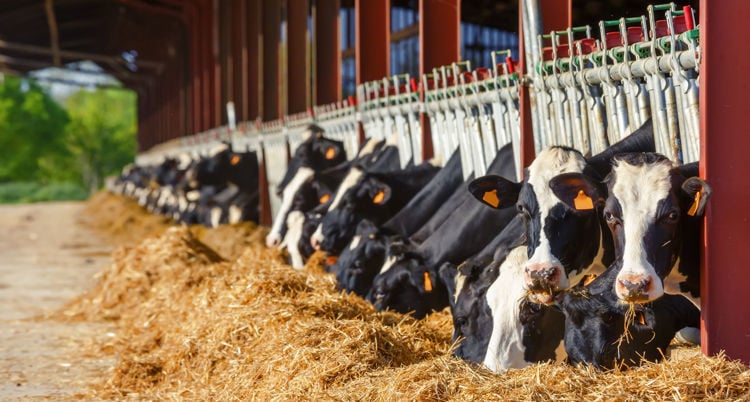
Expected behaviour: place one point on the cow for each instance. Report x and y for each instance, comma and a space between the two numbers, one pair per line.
467, 287
315, 153
463, 233
603, 331
368, 194
360, 261
564, 242
235, 177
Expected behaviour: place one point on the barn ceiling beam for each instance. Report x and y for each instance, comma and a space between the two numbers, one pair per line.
73, 55
54, 37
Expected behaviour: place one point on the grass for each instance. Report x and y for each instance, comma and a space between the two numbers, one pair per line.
26, 192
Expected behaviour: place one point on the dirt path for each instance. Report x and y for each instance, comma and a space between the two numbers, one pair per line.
46, 258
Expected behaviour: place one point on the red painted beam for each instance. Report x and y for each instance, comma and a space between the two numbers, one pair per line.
373, 39
724, 107
439, 45
298, 62
271, 41
327, 83
216, 70
251, 57
239, 75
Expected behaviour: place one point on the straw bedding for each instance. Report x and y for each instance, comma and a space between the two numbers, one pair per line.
231, 321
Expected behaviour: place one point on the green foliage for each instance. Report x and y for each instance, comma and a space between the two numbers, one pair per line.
101, 135
17, 192
31, 128
66, 150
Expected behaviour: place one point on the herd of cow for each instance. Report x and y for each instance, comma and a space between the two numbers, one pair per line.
593, 259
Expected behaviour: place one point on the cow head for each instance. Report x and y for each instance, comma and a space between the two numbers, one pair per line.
405, 284
316, 153
649, 202
472, 318
361, 260
359, 197
563, 239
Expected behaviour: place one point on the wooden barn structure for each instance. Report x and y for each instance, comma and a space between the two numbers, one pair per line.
187, 59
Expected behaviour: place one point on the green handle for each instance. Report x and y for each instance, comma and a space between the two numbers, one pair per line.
663, 7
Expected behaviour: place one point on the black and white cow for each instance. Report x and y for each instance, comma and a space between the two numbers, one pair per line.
366, 194
467, 289
315, 153
462, 234
654, 211
363, 257
564, 242
601, 330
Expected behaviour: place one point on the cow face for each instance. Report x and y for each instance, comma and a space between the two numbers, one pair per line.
648, 204
406, 285
316, 153
361, 260
563, 240
353, 202
472, 318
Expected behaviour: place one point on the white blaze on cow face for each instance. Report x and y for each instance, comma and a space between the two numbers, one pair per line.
548, 164
460, 280
217, 150
355, 242
368, 148
294, 223
349, 181
638, 190
301, 177
390, 261
215, 217
505, 349
235, 214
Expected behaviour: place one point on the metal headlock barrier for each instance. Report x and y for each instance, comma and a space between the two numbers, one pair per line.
391, 107
592, 92
588, 90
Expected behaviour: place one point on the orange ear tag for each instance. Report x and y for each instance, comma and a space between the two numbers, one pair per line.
694, 208
330, 153
583, 202
427, 282
325, 198
235, 160
641, 318
379, 197
332, 260
491, 198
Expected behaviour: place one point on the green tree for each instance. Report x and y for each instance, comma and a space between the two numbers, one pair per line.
101, 136
31, 130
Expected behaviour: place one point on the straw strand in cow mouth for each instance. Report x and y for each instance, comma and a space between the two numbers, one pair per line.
537, 289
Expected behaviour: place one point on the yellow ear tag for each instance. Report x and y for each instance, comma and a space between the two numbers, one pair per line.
588, 279
235, 160
330, 153
490, 197
325, 198
583, 202
379, 197
694, 208
427, 282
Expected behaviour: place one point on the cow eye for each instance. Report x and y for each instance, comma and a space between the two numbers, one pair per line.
522, 210
610, 218
460, 321
673, 216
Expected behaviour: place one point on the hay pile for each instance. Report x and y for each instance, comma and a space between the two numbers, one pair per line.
194, 325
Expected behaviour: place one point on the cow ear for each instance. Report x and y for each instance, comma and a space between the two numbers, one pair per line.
698, 191
495, 191
576, 190
381, 194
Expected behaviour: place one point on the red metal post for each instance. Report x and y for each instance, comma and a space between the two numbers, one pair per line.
724, 107
298, 61
327, 83
373, 39
270, 83
439, 45
238, 88
251, 58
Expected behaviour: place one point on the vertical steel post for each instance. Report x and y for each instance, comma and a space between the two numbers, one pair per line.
298, 66
327, 82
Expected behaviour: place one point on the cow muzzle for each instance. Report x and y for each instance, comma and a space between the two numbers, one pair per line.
542, 282
634, 288
272, 240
